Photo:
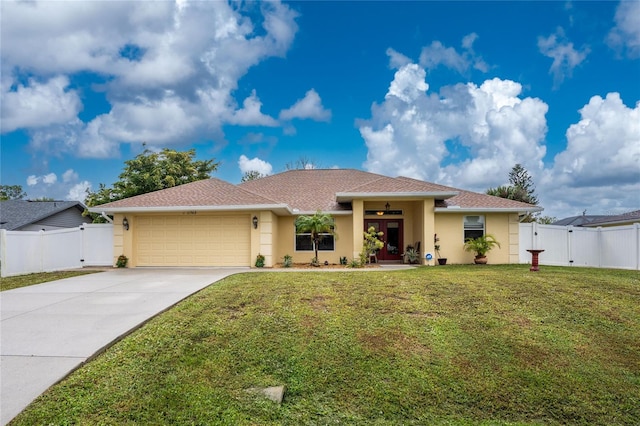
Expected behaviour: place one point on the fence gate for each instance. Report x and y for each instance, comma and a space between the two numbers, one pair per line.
25, 252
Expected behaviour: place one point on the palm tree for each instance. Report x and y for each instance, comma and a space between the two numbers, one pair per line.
319, 223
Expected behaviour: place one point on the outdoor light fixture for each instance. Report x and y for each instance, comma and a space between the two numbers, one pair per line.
125, 224
255, 222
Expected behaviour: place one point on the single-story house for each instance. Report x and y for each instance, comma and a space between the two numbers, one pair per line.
25, 215
216, 223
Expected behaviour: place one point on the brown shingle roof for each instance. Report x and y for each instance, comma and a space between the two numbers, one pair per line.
307, 191
310, 190
208, 192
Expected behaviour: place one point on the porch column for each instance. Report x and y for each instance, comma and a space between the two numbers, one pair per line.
428, 229
357, 206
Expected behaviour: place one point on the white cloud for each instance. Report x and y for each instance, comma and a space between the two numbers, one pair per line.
565, 57
397, 60
48, 185
38, 104
418, 134
69, 176
50, 178
171, 68
603, 148
626, 33
78, 192
255, 164
437, 54
308, 107
250, 114
470, 136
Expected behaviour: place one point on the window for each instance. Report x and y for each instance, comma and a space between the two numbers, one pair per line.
473, 227
305, 243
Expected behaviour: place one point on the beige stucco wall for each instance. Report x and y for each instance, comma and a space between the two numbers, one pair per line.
286, 241
275, 236
503, 226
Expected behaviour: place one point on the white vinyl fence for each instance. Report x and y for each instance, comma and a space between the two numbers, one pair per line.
24, 252
615, 247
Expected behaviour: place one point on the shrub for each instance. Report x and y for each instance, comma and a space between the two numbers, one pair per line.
122, 261
343, 260
355, 263
287, 261
259, 261
315, 261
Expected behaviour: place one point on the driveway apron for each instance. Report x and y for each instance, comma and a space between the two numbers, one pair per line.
50, 329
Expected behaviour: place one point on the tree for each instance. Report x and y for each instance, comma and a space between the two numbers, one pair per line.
304, 163
519, 178
318, 224
521, 188
11, 192
151, 171
251, 175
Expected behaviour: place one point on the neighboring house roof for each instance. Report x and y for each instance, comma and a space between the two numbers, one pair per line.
578, 220
15, 214
303, 191
621, 219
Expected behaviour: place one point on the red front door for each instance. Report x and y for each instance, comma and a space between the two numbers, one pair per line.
392, 237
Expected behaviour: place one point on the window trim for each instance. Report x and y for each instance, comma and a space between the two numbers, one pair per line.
475, 229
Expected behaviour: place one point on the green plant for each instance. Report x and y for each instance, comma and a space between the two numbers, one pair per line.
343, 260
481, 245
260, 261
412, 255
318, 224
287, 261
315, 261
355, 263
122, 261
372, 244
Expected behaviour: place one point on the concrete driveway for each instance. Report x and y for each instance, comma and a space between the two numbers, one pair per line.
50, 329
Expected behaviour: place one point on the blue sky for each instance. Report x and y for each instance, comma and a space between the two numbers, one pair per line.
449, 92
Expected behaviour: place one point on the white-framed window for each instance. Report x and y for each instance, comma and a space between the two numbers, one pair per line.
305, 243
473, 226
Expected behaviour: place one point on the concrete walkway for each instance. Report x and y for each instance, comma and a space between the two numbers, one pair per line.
48, 330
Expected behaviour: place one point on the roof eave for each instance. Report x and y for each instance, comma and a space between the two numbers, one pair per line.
458, 209
345, 197
282, 209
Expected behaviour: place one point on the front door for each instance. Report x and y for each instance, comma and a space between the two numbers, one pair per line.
392, 237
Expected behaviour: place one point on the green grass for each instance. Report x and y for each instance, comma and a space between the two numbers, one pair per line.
9, 283
455, 345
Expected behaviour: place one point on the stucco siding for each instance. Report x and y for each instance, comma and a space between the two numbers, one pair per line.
450, 229
286, 241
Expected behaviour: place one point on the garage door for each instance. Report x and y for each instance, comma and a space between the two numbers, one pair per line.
192, 240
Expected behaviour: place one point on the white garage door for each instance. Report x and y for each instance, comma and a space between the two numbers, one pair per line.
192, 240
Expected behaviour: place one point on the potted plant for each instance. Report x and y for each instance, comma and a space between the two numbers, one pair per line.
436, 247
481, 246
413, 256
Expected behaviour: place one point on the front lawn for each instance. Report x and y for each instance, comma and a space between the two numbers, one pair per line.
441, 345
9, 283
